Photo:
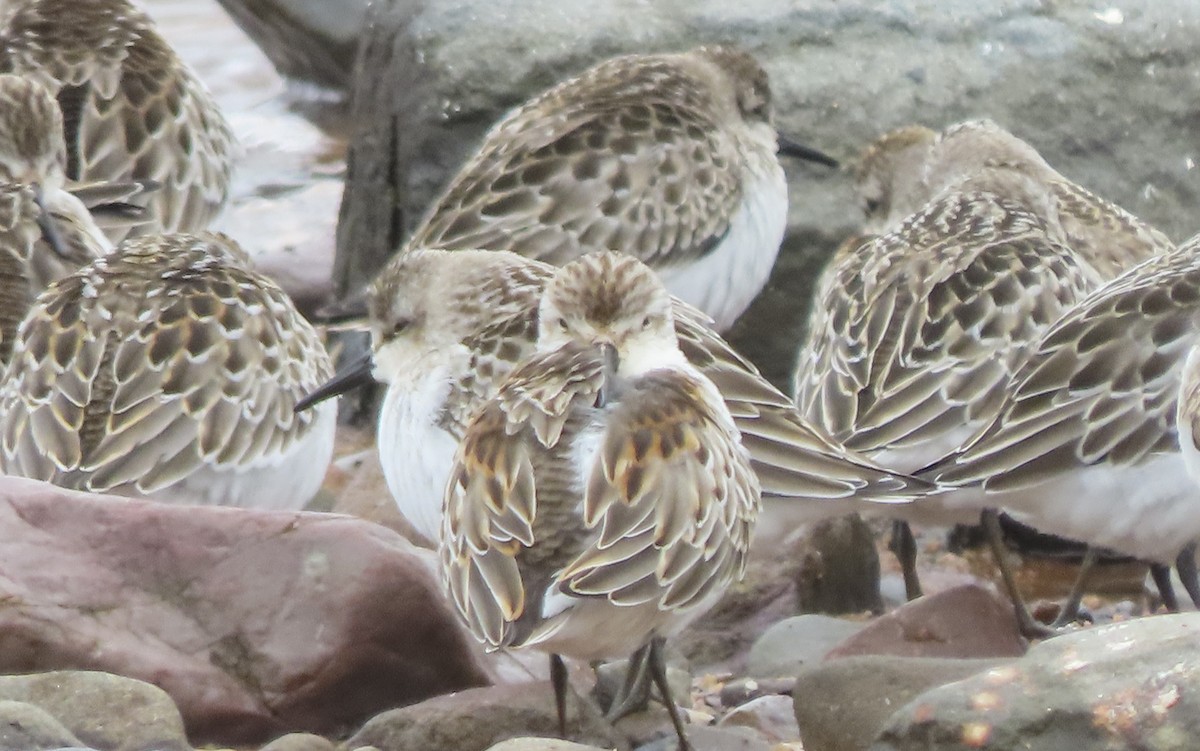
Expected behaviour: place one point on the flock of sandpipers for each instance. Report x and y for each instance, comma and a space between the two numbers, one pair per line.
562, 416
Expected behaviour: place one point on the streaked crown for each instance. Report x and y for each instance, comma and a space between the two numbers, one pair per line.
604, 294
32, 149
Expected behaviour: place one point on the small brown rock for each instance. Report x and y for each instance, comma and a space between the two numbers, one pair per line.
839, 568
965, 622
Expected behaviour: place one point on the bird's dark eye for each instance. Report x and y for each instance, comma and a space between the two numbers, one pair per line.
562, 325
646, 322
872, 205
398, 326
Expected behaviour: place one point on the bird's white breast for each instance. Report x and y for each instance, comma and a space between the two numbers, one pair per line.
416, 453
281, 482
725, 281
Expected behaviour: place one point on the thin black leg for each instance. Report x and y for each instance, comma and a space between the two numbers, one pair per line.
1070, 608
635, 690
1161, 574
658, 670
1029, 627
1185, 564
904, 546
558, 679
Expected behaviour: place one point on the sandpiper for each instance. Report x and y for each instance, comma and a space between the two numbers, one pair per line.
168, 369
671, 158
132, 110
907, 167
45, 233
602, 500
914, 334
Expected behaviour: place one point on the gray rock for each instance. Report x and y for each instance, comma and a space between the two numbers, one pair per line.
1099, 90
773, 716
713, 739
312, 40
103, 710
476, 719
796, 642
841, 705
540, 744
26, 727
299, 742
1122, 687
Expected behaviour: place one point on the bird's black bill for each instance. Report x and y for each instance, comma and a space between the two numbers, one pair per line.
791, 148
612, 362
354, 375
50, 232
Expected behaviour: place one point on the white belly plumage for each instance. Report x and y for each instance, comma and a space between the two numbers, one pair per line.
1150, 511
725, 281
285, 482
417, 455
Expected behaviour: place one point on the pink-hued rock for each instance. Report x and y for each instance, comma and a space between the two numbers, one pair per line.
966, 621
256, 623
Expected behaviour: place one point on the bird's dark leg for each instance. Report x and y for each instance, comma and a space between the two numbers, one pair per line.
1070, 608
1161, 574
558, 679
904, 546
1029, 627
658, 670
1185, 564
635, 690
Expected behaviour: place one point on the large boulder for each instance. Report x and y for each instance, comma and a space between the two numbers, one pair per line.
256, 623
1097, 89
1120, 687
841, 705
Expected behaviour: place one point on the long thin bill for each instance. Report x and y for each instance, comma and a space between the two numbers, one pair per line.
791, 148
354, 375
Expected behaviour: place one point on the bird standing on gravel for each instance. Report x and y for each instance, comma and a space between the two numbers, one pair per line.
907, 167
602, 499
670, 158
132, 110
915, 334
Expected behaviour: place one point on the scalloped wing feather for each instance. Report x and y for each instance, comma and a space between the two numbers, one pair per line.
1101, 386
